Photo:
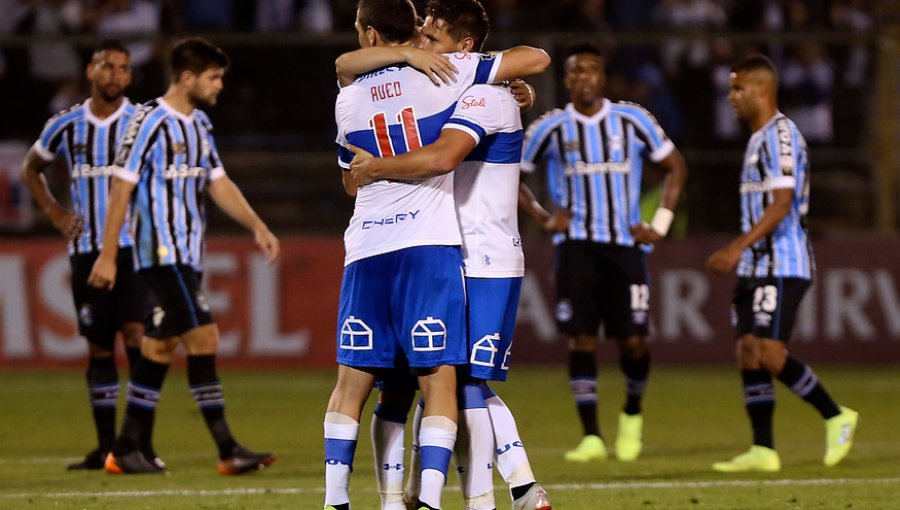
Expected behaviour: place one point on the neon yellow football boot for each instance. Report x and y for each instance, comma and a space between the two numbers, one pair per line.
758, 458
590, 448
629, 441
839, 432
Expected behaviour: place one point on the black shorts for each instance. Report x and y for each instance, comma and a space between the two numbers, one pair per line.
767, 307
101, 313
178, 302
601, 283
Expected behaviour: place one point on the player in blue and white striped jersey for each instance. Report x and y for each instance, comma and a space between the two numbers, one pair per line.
166, 166
775, 269
83, 138
595, 150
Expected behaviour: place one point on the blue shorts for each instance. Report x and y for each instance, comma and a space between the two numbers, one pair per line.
407, 303
492, 307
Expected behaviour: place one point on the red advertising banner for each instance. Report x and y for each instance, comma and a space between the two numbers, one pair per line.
285, 314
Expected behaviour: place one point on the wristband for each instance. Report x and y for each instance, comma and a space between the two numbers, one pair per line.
662, 220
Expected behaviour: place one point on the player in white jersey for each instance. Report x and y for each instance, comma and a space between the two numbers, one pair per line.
482, 142
402, 245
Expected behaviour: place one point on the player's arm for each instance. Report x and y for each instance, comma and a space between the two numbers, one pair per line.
676, 174
725, 259
350, 184
434, 159
521, 61
103, 274
354, 63
67, 222
229, 198
556, 222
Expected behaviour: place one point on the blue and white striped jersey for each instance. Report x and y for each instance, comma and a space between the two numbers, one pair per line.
171, 157
87, 144
776, 158
594, 166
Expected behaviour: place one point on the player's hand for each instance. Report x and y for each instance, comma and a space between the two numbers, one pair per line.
68, 223
435, 65
558, 221
362, 168
724, 260
644, 234
267, 242
523, 93
103, 274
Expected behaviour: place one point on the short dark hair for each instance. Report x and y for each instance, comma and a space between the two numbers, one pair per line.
110, 45
583, 47
464, 18
755, 62
196, 54
395, 20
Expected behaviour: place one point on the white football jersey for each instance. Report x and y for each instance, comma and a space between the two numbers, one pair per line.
391, 111
487, 182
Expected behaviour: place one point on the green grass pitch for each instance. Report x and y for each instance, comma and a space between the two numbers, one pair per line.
693, 417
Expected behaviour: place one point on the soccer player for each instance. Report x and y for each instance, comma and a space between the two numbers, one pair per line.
84, 137
594, 151
402, 245
166, 165
775, 267
485, 190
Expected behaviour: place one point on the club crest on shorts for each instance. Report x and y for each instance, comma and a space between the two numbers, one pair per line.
158, 315
564, 310
429, 334
356, 335
201, 301
484, 350
86, 315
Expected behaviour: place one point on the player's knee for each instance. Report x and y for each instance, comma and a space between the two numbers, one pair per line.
632, 347
132, 333
748, 352
584, 343
159, 351
96, 350
773, 357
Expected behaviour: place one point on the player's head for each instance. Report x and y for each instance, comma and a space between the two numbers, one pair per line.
753, 86
384, 22
455, 25
109, 70
199, 66
585, 73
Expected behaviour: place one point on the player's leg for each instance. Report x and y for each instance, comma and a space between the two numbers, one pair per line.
783, 296
414, 480
578, 315
366, 345
131, 303
758, 390
626, 321
492, 306
474, 450
511, 458
144, 387
342, 432
430, 305
96, 325
388, 434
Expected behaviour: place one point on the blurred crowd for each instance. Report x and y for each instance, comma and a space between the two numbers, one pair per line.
683, 75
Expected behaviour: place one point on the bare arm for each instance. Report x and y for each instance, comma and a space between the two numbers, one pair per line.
725, 259
69, 224
229, 198
556, 222
103, 274
350, 185
354, 63
676, 175
521, 61
438, 158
